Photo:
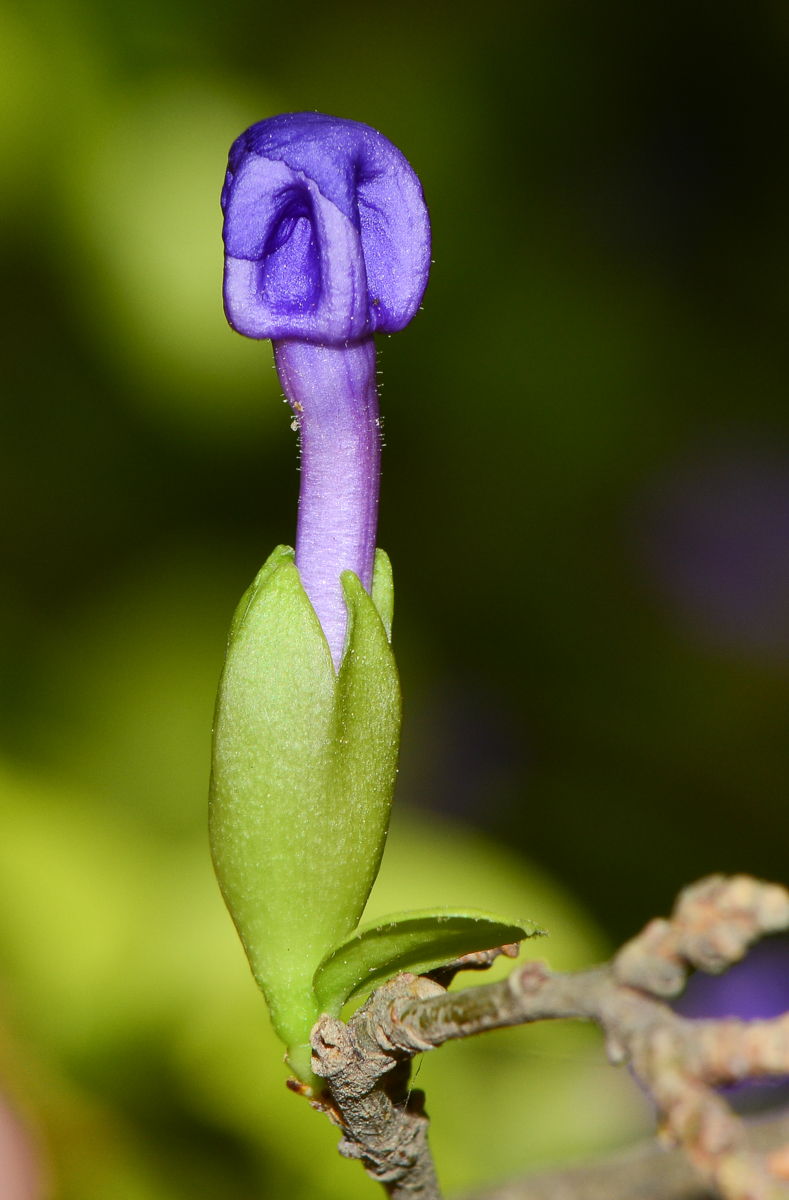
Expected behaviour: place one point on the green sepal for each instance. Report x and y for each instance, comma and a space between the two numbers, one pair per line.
418, 941
279, 555
383, 590
303, 775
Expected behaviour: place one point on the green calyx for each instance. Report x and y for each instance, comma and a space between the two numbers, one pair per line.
304, 767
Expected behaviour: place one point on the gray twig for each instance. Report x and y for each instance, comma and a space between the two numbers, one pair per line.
383, 1121
647, 1171
678, 1062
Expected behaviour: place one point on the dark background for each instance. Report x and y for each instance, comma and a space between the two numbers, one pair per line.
586, 472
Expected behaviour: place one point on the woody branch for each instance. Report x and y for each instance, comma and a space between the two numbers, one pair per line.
679, 1062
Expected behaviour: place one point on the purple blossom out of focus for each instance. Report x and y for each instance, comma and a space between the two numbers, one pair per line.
327, 241
716, 539
755, 988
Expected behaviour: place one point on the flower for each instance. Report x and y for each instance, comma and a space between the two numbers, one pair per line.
327, 235
327, 241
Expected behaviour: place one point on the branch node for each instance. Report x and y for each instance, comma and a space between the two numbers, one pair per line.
529, 979
713, 924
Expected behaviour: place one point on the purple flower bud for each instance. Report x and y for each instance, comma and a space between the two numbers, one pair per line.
326, 232
327, 240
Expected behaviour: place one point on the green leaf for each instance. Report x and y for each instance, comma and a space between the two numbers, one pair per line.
410, 941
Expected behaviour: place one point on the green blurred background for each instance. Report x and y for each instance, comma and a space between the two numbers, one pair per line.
585, 497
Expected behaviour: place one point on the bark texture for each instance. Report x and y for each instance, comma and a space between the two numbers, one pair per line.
678, 1062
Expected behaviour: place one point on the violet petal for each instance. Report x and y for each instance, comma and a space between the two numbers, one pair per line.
327, 234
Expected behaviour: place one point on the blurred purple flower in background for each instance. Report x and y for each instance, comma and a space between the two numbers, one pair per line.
327, 241
755, 988
714, 532
716, 537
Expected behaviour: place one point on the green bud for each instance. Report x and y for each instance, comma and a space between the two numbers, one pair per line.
303, 776
301, 789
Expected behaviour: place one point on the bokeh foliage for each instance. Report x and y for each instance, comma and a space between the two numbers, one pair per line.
586, 500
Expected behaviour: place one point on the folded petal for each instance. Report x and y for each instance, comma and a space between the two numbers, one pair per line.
327, 234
